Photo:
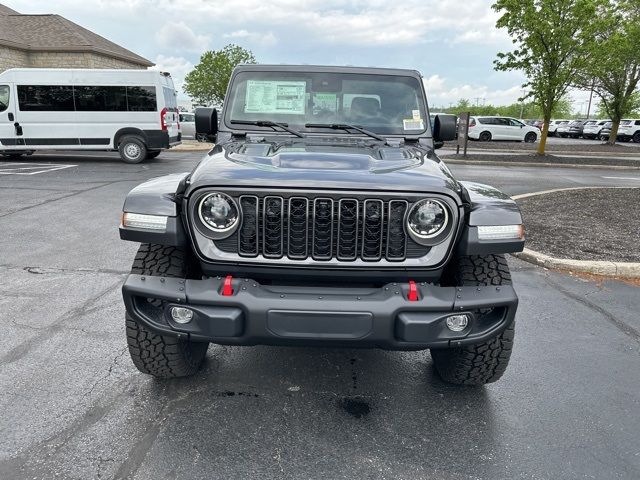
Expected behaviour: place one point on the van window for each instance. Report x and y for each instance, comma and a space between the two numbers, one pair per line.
487, 121
4, 97
100, 99
141, 99
45, 98
170, 101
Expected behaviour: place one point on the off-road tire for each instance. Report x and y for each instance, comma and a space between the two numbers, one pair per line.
530, 137
485, 137
132, 149
159, 355
153, 154
483, 362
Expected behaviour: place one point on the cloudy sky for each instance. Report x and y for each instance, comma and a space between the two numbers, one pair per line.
452, 42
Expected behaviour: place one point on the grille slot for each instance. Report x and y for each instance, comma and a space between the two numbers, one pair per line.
248, 234
322, 239
298, 228
372, 229
348, 218
272, 225
396, 235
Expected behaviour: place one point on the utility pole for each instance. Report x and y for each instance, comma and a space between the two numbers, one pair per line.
593, 85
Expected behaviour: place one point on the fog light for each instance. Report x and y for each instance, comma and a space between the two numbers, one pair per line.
181, 314
457, 323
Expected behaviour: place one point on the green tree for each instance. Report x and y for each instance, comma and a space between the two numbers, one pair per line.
554, 40
614, 72
207, 82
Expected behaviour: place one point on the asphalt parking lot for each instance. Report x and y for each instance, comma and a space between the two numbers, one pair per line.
73, 405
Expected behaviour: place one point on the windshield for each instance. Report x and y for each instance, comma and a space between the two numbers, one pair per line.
625, 122
384, 104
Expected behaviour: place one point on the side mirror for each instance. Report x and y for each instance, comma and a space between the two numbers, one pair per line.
444, 128
207, 123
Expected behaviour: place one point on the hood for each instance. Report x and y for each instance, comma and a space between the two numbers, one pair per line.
334, 164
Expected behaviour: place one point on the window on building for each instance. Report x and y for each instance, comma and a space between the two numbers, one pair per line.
46, 98
4, 97
141, 99
100, 99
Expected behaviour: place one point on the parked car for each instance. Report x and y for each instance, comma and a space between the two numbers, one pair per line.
322, 217
563, 129
629, 130
605, 131
501, 128
132, 111
538, 124
553, 126
575, 128
188, 125
592, 128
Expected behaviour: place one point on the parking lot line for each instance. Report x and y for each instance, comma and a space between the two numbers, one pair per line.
624, 178
15, 168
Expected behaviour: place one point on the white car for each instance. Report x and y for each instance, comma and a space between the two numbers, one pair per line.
629, 130
592, 128
188, 125
134, 112
501, 128
554, 124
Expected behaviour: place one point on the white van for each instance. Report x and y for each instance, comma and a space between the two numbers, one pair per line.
132, 111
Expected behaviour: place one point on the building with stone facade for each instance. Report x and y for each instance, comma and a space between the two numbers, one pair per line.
52, 41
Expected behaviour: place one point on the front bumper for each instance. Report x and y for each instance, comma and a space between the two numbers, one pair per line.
286, 315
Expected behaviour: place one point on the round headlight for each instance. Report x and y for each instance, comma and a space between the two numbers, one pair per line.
218, 212
427, 218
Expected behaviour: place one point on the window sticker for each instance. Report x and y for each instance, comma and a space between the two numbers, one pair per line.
275, 96
415, 114
327, 102
411, 124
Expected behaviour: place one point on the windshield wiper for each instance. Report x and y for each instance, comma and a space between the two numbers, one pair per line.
346, 126
269, 123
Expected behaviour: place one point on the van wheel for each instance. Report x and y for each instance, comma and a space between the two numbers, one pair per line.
153, 153
132, 150
485, 136
530, 137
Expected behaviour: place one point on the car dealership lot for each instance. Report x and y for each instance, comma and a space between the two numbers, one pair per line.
74, 406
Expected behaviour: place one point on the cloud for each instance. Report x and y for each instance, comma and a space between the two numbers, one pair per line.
441, 92
267, 39
178, 67
179, 36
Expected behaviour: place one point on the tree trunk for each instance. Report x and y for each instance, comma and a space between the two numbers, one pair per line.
614, 132
543, 137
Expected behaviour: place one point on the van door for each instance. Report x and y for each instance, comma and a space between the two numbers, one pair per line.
8, 137
170, 115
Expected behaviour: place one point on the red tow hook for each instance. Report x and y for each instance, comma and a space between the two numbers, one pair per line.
227, 289
413, 292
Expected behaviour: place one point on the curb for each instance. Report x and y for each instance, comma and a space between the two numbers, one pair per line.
610, 269
535, 164
603, 267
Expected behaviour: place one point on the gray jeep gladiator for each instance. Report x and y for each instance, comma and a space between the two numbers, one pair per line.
322, 217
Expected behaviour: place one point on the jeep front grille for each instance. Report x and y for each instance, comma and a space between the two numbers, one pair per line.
322, 228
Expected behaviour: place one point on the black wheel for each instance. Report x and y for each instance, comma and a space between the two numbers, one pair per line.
485, 137
159, 355
636, 137
530, 137
153, 153
132, 149
484, 362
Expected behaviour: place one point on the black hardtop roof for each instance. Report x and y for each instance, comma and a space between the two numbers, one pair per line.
327, 69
